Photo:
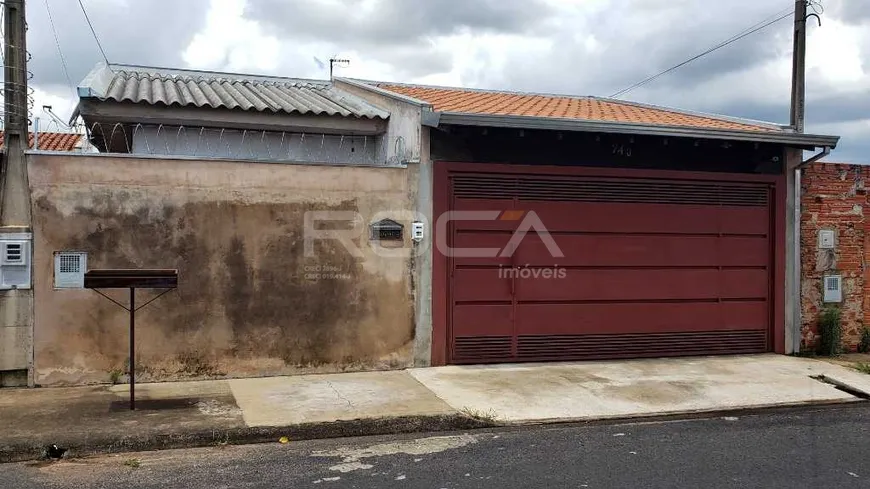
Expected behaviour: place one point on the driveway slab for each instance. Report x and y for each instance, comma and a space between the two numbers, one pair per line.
595, 390
279, 401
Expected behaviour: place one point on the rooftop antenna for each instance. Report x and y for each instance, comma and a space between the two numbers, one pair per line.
337, 61
54, 117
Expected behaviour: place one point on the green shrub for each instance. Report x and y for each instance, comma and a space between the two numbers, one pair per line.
864, 344
864, 368
830, 333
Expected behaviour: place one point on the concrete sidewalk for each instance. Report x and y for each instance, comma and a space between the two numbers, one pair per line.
181, 414
623, 389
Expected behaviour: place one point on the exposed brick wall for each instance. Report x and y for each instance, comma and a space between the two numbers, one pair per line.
833, 197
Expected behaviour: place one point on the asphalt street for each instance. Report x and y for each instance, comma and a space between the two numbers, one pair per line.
813, 447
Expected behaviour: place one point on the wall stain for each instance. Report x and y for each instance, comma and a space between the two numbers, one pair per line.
246, 303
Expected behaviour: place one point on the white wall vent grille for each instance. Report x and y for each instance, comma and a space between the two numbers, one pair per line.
833, 288
14, 253
69, 269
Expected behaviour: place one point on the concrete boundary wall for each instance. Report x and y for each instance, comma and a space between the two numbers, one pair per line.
834, 198
249, 302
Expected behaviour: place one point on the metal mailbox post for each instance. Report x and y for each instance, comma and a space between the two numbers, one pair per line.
132, 279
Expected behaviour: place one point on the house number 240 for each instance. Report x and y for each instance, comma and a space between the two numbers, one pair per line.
622, 150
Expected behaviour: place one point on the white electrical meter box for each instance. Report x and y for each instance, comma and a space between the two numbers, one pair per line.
15, 261
833, 288
417, 231
827, 239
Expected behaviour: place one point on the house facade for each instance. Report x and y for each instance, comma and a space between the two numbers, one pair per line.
525, 227
677, 229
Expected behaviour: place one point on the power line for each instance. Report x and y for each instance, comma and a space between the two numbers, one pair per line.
59, 50
93, 32
782, 14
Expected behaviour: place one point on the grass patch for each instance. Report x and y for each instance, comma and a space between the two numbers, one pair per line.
805, 354
864, 344
862, 367
830, 332
488, 416
115, 376
224, 442
133, 463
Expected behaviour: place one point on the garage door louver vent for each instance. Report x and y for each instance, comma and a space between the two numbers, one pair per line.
482, 348
641, 345
586, 189
591, 347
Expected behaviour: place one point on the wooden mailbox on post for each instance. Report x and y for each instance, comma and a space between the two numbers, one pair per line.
132, 279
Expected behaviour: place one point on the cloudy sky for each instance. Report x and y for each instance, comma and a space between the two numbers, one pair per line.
586, 47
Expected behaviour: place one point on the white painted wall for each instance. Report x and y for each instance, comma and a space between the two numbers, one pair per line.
257, 145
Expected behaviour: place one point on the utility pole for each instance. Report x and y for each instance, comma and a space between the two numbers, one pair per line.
15, 70
15, 210
794, 162
798, 70
16, 303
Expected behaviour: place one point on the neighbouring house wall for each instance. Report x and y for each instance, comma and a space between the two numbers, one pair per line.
256, 145
834, 197
401, 143
249, 302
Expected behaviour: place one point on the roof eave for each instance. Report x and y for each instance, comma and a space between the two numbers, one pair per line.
560, 124
96, 83
94, 111
696, 113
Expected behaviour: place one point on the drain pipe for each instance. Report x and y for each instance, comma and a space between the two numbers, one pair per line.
796, 337
814, 158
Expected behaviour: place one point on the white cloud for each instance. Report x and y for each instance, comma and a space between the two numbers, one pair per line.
589, 47
61, 104
834, 56
231, 42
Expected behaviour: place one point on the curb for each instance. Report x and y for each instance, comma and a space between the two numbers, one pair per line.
99, 445
736, 411
96, 445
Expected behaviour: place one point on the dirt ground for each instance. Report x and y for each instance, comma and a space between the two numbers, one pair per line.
858, 361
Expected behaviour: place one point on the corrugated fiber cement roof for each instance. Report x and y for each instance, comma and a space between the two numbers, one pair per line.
163, 86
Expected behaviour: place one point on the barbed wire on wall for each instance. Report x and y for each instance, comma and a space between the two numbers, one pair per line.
24, 109
44, 124
240, 144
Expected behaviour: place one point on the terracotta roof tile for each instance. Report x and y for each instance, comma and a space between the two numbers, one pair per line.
446, 99
51, 141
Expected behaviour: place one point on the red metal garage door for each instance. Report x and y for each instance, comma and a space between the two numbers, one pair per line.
651, 267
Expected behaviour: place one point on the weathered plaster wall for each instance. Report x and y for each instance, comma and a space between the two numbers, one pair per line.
834, 197
247, 302
402, 142
415, 152
422, 182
